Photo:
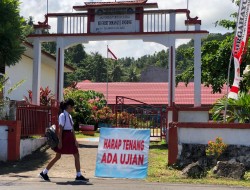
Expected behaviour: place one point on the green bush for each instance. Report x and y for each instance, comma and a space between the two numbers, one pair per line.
236, 109
86, 104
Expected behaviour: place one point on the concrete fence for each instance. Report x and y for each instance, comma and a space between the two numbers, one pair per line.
27, 146
201, 133
12, 147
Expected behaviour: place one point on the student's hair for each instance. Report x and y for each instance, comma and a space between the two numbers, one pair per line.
64, 104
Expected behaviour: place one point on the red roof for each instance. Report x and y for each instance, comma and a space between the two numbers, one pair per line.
115, 4
152, 93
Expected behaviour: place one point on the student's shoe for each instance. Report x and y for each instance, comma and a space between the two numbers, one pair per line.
81, 179
45, 177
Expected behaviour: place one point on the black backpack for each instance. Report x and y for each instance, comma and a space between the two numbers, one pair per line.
52, 138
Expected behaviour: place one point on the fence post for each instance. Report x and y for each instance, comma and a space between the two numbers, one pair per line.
173, 137
172, 144
14, 135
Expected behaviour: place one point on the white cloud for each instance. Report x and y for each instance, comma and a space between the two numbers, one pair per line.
208, 11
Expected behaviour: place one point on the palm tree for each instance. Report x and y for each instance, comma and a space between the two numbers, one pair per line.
236, 110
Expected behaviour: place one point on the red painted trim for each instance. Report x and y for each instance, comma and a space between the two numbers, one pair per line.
180, 10
173, 137
173, 134
46, 26
175, 113
67, 14
171, 77
58, 73
172, 144
139, 16
14, 135
192, 22
185, 108
213, 125
112, 4
168, 11
91, 18
143, 103
92, 15
118, 34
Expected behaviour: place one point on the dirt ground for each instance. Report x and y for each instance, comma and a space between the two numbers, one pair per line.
32, 165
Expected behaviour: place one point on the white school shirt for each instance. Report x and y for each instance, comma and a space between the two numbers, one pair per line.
68, 124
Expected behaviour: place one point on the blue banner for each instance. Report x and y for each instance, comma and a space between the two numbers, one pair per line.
123, 153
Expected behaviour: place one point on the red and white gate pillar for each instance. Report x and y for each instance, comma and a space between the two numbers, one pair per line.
197, 70
60, 60
59, 68
171, 61
171, 76
36, 72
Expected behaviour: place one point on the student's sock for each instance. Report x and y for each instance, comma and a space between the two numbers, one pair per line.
45, 171
78, 174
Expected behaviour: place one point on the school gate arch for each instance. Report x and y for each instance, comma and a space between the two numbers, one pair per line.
123, 20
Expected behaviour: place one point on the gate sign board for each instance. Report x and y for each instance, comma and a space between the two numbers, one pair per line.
114, 21
123, 153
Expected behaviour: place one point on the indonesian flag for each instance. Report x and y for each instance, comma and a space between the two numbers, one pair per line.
111, 55
240, 44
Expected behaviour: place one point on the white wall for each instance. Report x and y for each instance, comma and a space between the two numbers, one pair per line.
24, 70
48, 77
188, 116
3, 143
27, 146
203, 135
193, 116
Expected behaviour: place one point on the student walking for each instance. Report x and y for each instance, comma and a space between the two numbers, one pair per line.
67, 141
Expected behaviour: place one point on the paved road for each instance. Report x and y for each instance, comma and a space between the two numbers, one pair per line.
22, 175
22, 183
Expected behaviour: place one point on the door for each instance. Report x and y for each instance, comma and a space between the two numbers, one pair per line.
3, 143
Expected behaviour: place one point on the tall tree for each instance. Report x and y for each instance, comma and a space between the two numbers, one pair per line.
116, 72
215, 59
133, 75
99, 68
75, 54
49, 47
11, 33
28, 26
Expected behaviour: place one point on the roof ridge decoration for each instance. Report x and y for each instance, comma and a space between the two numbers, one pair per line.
119, 2
44, 24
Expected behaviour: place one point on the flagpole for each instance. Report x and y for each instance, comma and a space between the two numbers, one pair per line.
107, 94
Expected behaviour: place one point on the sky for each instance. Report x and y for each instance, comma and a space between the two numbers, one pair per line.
209, 11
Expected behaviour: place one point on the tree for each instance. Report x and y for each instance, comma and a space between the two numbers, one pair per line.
132, 75
75, 54
49, 47
11, 33
215, 59
28, 26
99, 68
117, 74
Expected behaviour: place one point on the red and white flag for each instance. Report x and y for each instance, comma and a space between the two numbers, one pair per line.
111, 55
240, 44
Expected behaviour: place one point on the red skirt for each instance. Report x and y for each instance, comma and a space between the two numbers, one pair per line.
68, 144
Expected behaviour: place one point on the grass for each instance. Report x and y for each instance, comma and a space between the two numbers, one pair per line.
32, 137
79, 135
159, 171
